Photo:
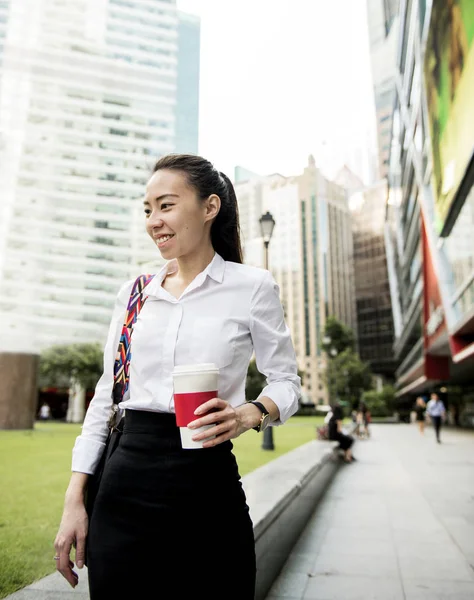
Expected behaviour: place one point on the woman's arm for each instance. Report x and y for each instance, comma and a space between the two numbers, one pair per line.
72, 529
274, 352
87, 452
275, 358
76, 488
90, 444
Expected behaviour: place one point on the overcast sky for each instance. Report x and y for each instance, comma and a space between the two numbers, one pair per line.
283, 79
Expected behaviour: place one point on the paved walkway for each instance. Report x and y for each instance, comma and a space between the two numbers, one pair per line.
397, 524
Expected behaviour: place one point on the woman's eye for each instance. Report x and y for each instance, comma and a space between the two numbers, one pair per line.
147, 212
165, 206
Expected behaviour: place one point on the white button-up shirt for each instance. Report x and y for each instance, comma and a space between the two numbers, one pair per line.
228, 312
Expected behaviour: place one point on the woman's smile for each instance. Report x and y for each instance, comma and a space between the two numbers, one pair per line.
163, 240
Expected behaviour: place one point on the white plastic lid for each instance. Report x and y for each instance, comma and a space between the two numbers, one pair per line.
195, 368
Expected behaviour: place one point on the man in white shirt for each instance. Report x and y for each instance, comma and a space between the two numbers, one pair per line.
436, 411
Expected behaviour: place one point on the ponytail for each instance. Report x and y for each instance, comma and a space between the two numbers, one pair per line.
225, 232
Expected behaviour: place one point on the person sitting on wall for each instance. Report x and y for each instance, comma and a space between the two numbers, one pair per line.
336, 434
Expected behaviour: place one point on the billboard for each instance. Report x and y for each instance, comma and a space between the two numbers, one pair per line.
449, 81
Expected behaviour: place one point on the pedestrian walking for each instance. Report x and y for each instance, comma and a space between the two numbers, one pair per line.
167, 518
436, 411
420, 408
363, 420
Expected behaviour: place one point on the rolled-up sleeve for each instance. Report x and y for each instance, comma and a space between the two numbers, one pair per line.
90, 444
274, 352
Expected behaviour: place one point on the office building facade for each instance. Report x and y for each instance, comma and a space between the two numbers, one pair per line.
311, 258
187, 99
88, 97
372, 289
430, 211
382, 18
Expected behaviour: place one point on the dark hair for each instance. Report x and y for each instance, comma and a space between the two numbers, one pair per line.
206, 180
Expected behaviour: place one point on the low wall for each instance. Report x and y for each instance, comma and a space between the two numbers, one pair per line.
282, 495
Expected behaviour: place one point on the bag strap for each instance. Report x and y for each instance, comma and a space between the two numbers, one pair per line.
124, 355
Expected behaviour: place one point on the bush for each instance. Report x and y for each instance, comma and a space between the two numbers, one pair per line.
380, 404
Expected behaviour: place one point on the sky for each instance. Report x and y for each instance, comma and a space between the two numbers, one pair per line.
284, 79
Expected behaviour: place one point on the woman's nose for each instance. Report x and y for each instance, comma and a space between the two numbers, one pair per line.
155, 221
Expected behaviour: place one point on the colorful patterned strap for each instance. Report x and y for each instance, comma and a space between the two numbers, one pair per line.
124, 355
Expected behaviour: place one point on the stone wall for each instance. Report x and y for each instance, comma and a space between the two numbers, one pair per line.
18, 390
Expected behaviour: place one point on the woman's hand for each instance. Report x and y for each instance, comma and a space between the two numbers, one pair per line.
229, 422
72, 532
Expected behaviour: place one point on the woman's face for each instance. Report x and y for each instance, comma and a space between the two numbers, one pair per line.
176, 220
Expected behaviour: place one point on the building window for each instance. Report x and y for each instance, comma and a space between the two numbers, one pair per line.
460, 250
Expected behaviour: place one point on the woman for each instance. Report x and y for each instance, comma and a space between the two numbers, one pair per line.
165, 517
335, 432
420, 408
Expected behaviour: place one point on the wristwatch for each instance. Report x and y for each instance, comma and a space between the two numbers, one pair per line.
265, 420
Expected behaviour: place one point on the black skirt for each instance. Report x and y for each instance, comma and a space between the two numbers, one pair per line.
345, 441
169, 523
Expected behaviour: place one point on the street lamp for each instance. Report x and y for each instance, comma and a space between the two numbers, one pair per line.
267, 223
333, 352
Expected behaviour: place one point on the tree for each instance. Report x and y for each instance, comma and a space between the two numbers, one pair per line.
255, 382
79, 363
346, 376
337, 337
380, 404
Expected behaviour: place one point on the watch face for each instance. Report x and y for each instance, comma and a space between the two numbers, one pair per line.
265, 422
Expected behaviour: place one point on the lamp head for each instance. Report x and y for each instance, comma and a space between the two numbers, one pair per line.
267, 223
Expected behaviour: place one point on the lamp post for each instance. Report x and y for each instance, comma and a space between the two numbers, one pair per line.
333, 352
267, 223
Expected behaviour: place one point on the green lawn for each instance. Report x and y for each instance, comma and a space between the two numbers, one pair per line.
34, 474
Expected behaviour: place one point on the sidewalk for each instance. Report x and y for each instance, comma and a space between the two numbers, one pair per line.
397, 524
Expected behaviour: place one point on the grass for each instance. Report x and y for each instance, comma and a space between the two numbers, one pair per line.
34, 474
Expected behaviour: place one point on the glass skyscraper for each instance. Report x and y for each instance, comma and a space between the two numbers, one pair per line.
187, 108
88, 101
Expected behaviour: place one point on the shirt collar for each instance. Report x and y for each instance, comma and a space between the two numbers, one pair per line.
215, 269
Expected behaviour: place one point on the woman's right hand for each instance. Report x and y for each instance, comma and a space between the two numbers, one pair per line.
72, 532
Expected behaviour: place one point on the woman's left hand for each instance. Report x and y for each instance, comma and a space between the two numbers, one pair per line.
228, 422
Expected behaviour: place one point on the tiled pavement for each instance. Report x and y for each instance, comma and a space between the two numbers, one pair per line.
397, 524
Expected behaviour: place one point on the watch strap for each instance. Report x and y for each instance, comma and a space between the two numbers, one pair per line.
260, 406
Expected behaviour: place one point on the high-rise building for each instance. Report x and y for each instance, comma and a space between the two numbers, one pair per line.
311, 258
383, 36
187, 103
430, 210
372, 290
88, 97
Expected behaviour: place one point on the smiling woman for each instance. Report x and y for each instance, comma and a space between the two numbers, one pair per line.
159, 502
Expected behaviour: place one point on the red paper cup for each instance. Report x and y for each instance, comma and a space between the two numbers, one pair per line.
193, 385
